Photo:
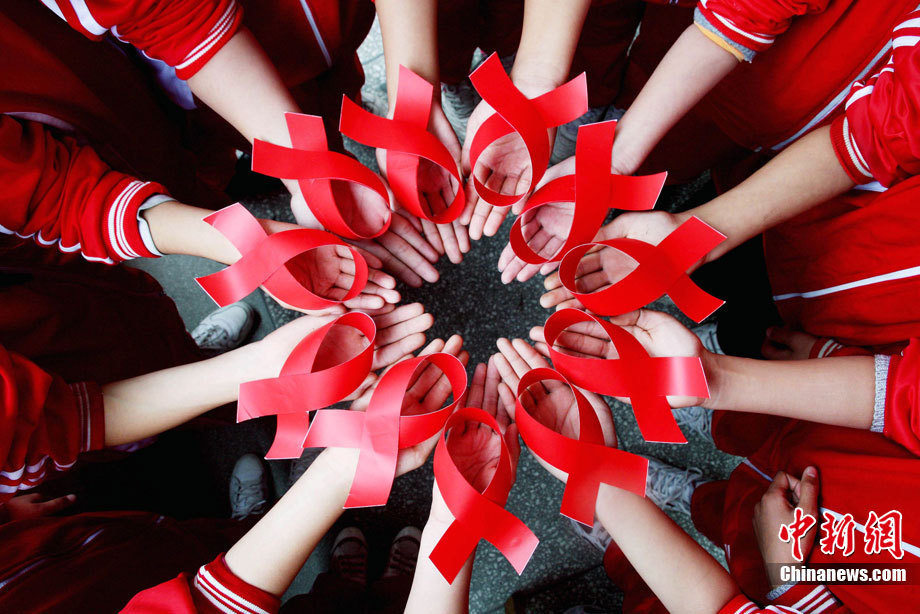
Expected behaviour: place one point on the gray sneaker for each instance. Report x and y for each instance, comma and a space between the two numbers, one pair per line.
458, 101
226, 328
707, 334
248, 487
595, 535
567, 134
671, 488
349, 555
697, 419
403, 553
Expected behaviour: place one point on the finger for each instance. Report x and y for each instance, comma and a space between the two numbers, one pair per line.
52, 506
365, 301
362, 389
430, 230
490, 400
523, 187
398, 314
530, 356
408, 251
514, 444
471, 198
381, 279
808, 491
344, 254
392, 263
463, 236
477, 387
496, 217
780, 483
387, 294
450, 243
392, 352
506, 371
409, 229
507, 398
552, 281
400, 330
549, 250
549, 267
772, 351
555, 297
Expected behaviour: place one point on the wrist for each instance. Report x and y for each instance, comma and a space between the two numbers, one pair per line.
713, 368
535, 78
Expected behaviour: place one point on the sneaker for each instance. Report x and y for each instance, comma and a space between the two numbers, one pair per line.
349, 555
567, 134
458, 101
248, 487
403, 553
595, 535
671, 488
225, 329
707, 334
697, 419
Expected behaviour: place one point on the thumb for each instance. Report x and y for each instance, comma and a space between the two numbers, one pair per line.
808, 491
53, 506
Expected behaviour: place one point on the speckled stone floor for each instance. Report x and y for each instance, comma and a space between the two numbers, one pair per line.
470, 300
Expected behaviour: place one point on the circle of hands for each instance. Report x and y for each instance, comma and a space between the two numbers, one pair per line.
409, 250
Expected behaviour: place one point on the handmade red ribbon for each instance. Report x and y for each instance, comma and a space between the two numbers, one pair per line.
661, 270
586, 460
311, 163
263, 262
646, 380
301, 387
593, 189
406, 139
382, 430
531, 119
477, 515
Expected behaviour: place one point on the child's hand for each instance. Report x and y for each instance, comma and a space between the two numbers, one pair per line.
659, 333
477, 449
552, 403
786, 344
27, 507
604, 267
403, 251
776, 508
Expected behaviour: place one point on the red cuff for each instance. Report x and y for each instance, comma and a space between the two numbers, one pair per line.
806, 598
90, 404
848, 153
219, 35
730, 31
902, 418
121, 233
221, 587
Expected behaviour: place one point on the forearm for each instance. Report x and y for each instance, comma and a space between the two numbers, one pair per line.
177, 228
429, 586
150, 404
801, 177
271, 554
410, 38
838, 391
683, 575
549, 36
691, 68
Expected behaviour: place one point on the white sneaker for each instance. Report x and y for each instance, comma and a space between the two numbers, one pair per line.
567, 134
707, 334
248, 487
697, 419
226, 328
595, 535
670, 487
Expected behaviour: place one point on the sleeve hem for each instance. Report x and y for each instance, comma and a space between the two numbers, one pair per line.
882, 363
89, 402
748, 43
217, 583
806, 599
225, 29
144, 228
846, 151
122, 231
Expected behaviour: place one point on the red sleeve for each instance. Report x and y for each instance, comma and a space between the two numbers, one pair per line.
899, 393
183, 33
46, 423
755, 24
878, 138
798, 599
214, 590
60, 193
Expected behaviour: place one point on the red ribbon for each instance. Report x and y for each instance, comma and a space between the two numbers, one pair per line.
311, 163
478, 515
301, 387
592, 189
406, 139
263, 262
661, 270
646, 380
531, 119
382, 430
587, 460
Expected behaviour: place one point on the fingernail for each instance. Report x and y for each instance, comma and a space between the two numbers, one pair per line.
811, 472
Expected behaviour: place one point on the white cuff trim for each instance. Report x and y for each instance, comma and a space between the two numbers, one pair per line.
143, 227
779, 591
881, 389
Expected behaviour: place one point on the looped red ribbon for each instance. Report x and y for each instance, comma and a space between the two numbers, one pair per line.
382, 430
661, 270
406, 139
301, 387
263, 262
646, 380
478, 515
531, 119
586, 460
311, 163
593, 189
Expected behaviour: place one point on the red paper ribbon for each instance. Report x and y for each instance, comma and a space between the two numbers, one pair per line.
382, 430
301, 387
311, 163
593, 189
531, 119
646, 380
406, 139
264, 258
587, 460
477, 515
661, 270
